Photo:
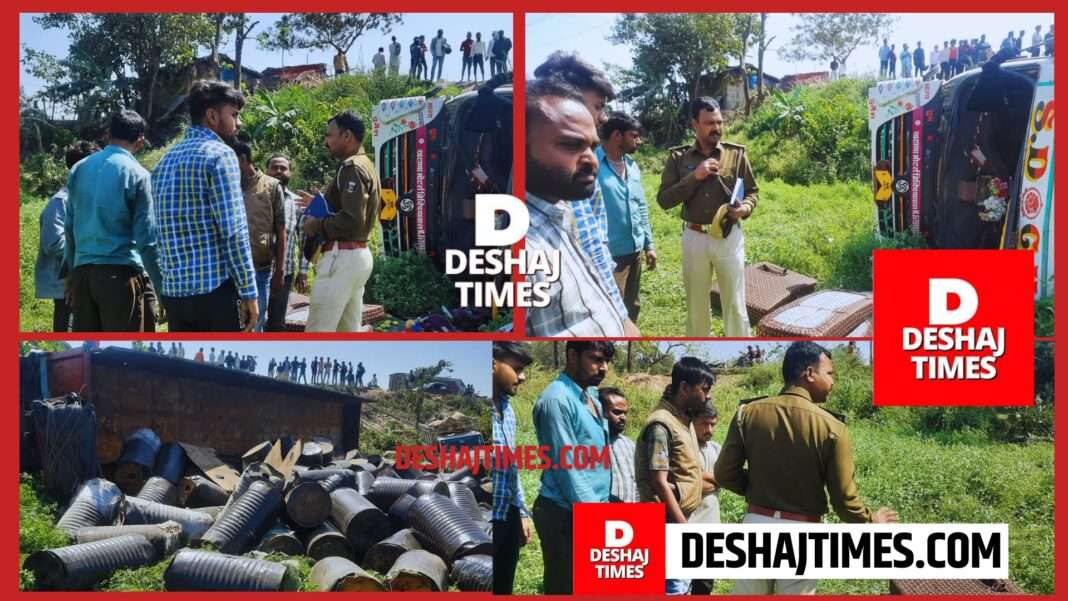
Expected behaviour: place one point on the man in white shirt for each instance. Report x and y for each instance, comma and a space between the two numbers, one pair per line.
478, 57
394, 56
379, 61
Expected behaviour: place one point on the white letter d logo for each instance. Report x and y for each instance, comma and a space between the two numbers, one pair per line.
938, 308
617, 533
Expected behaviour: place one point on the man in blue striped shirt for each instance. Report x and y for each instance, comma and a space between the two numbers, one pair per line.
512, 527
204, 253
561, 169
591, 218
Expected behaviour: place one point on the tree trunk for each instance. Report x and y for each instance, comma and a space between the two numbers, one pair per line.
762, 47
556, 356
218, 18
239, 46
150, 94
745, 72
630, 348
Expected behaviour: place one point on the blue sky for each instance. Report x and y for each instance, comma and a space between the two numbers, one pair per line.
587, 33
456, 26
470, 360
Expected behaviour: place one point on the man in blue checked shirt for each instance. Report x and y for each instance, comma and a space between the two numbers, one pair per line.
204, 253
591, 219
568, 415
511, 519
629, 233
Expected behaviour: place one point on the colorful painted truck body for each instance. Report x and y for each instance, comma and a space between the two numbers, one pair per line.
968, 163
433, 156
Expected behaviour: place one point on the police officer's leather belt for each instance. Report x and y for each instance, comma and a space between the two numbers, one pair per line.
329, 246
697, 227
784, 515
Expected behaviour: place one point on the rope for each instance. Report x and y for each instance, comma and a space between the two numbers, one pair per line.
68, 443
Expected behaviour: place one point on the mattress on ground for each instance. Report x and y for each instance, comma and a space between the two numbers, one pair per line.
768, 287
297, 314
823, 314
955, 587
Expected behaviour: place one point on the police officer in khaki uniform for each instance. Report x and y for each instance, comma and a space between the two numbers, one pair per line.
702, 179
345, 265
667, 459
785, 454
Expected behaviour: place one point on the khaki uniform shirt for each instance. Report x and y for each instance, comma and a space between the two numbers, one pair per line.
700, 199
783, 451
353, 196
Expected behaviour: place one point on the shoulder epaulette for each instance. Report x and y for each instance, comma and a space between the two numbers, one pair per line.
682, 148
742, 146
756, 398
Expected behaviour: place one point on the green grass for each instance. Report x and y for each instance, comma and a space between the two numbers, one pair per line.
925, 478
825, 231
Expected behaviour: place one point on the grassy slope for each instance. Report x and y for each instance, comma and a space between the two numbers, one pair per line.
825, 231
927, 482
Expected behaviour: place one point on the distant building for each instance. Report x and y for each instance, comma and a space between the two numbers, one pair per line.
728, 86
304, 75
789, 82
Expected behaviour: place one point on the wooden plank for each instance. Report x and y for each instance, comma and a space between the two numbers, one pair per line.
213, 467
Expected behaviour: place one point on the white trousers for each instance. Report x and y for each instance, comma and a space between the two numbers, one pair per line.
336, 303
705, 258
772, 587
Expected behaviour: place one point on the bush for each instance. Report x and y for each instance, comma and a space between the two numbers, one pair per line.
42, 174
292, 120
814, 134
408, 286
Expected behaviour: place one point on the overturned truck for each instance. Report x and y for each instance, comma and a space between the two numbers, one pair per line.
968, 163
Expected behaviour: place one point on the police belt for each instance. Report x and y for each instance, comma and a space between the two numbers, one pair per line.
784, 515
329, 246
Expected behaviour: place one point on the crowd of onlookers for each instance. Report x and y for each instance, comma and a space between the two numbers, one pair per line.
324, 371
475, 53
953, 57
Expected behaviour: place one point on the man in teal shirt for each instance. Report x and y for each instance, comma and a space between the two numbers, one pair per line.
110, 232
568, 415
629, 233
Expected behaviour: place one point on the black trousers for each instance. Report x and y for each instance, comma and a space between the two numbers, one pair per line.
506, 538
555, 531
216, 311
60, 315
277, 307
108, 298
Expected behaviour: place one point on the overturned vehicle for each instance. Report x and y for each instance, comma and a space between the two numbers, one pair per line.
968, 163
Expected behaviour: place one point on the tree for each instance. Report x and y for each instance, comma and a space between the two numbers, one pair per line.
763, 43
242, 30
671, 53
827, 37
280, 37
144, 43
328, 30
744, 27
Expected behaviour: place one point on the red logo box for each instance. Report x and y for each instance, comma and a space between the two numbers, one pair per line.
619, 548
954, 327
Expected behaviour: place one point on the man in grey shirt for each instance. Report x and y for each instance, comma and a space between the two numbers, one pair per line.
614, 407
